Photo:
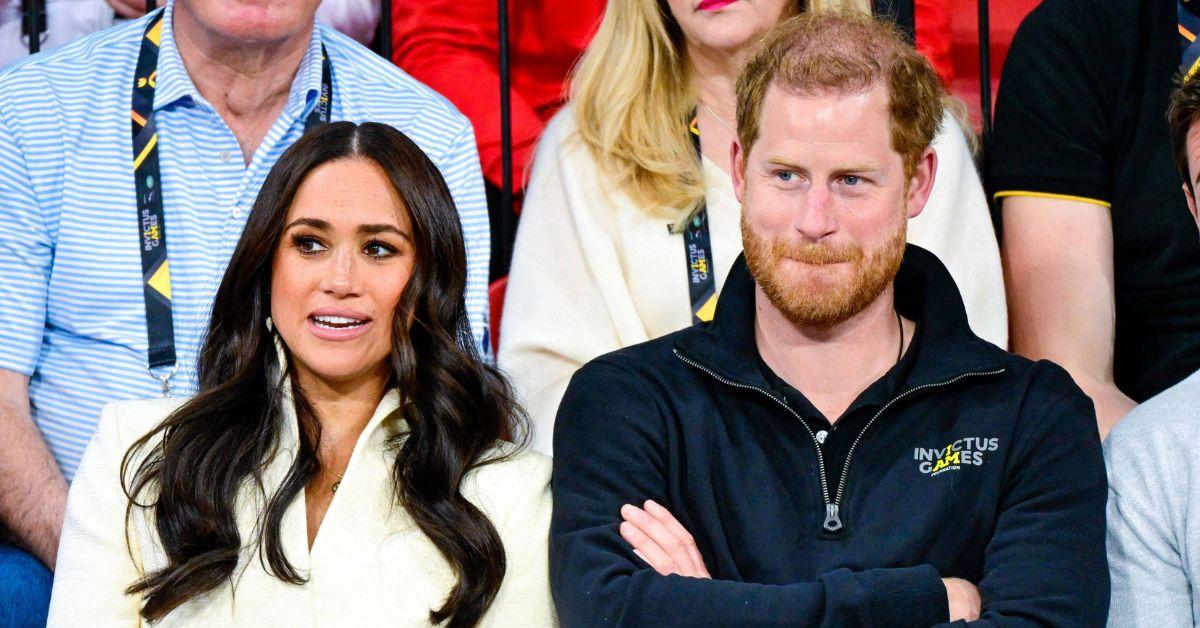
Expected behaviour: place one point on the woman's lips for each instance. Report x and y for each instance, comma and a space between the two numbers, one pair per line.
714, 5
325, 332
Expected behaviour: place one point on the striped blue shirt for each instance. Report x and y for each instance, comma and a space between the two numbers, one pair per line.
72, 314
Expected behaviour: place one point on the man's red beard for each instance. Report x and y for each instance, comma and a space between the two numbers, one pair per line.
820, 303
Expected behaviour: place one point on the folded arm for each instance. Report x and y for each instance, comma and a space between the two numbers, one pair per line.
611, 451
1046, 563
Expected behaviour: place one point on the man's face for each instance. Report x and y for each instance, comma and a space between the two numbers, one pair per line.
252, 21
1193, 154
825, 202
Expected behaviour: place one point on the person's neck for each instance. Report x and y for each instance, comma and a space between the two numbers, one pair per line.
246, 82
343, 409
714, 77
830, 366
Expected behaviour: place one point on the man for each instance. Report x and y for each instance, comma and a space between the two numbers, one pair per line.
1103, 275
68, 20
1154, 482
88, 278
836, 447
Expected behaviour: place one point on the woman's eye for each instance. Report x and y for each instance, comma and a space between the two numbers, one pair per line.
379, 249
307, 245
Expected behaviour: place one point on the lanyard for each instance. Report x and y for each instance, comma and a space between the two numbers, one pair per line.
697, 245
147, 178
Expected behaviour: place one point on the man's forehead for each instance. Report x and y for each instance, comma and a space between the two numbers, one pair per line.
826, 113
780, 95
800, 125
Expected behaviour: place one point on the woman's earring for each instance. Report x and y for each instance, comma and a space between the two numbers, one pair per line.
270, 324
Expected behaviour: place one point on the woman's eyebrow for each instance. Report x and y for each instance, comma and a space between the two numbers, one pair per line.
315, 223
380, 228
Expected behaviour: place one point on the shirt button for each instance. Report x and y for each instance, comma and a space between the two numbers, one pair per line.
225, 156
237, 212
821, 436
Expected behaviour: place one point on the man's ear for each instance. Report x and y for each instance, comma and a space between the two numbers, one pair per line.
920, 185
737, 169
1190, 195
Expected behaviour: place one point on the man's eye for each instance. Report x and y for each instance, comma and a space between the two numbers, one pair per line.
851, 180
786, 175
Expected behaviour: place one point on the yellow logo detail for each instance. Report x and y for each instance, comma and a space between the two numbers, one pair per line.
152, 80
706, 311
155, 34
161, 280
951, 458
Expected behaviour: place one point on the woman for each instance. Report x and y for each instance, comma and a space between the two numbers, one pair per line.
341, 464
600, 262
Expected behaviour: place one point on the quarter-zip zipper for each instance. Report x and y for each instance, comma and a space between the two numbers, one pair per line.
833, 520
816, 446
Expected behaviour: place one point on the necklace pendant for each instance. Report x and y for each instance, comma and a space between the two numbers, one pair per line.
335, 486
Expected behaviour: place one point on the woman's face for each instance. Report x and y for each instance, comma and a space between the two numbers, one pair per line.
340, 267
728, 25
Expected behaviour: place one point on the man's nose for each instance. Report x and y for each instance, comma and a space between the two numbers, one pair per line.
815, 218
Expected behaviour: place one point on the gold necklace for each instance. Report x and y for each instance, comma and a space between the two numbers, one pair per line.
334, 488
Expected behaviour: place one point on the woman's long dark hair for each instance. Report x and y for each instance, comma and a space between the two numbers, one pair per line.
222, 439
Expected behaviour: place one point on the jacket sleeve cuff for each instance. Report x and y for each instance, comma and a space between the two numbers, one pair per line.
910, 596
905, 596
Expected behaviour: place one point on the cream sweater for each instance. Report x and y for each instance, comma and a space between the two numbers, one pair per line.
592, 273
369, 564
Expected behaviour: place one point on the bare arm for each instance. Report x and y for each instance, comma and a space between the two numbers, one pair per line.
33, 492
1058, 269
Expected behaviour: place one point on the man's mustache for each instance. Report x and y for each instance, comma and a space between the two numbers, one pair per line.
812, 253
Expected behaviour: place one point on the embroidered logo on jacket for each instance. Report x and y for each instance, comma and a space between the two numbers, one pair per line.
967, 452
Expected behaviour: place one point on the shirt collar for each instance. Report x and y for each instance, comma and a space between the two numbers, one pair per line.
945, 347
306, 87
174, 83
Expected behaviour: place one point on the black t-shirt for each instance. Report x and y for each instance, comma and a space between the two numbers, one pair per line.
1082, 113
835, 439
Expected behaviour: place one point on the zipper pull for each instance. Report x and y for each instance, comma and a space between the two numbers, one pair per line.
833, 523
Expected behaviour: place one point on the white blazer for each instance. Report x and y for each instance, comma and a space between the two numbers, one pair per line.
369, 564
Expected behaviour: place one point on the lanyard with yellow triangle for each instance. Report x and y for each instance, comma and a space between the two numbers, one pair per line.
697, 244
147, 177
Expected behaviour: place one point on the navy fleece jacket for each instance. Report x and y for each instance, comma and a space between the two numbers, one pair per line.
978, 464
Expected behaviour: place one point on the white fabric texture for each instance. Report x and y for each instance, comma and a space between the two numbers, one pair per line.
369, 564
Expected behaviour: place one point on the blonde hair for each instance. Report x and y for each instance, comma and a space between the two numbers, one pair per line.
632, 98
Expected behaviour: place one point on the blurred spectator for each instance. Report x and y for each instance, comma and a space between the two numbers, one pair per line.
600, 260
933, 36
1152, 497
1102, 261
357, 18
68, 20
452, 46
